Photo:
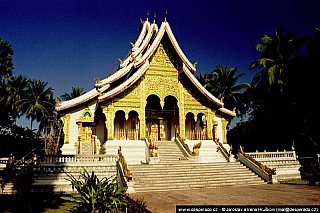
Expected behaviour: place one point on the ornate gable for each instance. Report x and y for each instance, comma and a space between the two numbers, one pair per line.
161, 59
86, 116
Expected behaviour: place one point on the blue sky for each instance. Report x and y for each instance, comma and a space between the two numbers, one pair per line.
69, 43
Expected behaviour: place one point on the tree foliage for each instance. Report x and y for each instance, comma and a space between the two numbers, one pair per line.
17, 141
76, 92
282, 105
6, 65
222, 83
38, 102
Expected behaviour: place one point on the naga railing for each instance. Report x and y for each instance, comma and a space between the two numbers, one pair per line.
224, 151
186, 150
262, 170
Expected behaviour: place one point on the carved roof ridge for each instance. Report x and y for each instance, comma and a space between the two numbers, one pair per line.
165, 27
81, 99
126, 84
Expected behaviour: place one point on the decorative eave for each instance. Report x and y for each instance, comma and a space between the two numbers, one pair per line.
206, 92
120, 73
226, 111
201, 88
126, 84
81, 99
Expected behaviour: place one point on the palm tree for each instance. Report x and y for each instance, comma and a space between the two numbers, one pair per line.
16, 90
39, 101
277, 55
6, 65
76, 92
225, 88
205, 80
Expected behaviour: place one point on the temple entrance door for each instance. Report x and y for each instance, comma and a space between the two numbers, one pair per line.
170, 115
161, 124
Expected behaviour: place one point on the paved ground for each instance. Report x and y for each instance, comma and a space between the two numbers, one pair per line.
276, 194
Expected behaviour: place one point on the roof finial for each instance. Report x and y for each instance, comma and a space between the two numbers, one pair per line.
148, 16
154, 18
195, 64
165, 17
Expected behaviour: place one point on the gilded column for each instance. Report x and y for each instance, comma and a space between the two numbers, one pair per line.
182, 116
224, 129
79, 137
66, 127
109, 113
142, 113
209, 124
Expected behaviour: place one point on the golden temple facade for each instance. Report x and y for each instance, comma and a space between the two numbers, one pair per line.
153, 93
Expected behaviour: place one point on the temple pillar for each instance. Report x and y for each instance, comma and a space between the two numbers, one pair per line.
209, 124
224, 122
109, 113
182, 115
79, 138
66, 127
142, 113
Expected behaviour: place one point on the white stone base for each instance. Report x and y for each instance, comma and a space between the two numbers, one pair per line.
68, 149
130, 187
134, 151
208, 151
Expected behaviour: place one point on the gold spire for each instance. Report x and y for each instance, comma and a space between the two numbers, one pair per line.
147, 16
132, 44
154, 18
165, 17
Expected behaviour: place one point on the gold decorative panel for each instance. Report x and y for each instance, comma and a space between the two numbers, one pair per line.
160, 58
66, 128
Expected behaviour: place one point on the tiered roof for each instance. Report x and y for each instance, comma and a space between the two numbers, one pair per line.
137, 62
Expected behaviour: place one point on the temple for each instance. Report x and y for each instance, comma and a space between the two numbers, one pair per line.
155, 127
153, 93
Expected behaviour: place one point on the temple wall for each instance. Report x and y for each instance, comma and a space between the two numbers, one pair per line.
75, 113
219, 135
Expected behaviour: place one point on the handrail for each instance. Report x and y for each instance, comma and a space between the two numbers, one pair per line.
186, 150
122, 160
262, 170
147, 150
123, 180
223, 150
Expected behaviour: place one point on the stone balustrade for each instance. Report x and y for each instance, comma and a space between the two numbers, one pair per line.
78, 158
271, 156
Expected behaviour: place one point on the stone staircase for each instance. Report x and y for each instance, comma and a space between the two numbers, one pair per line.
17, 181
169, 152
175, 173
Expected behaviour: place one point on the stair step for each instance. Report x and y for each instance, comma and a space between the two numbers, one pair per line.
171, 173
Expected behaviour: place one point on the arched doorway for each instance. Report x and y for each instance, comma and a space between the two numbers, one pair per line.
162, 124
119, 128
170, 113
153, 117
201, 127
133, 126
190, 126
